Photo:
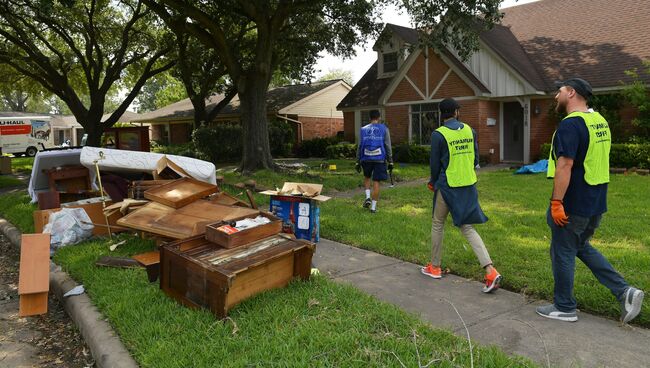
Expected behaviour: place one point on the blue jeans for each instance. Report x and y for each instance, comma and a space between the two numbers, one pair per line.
572, 241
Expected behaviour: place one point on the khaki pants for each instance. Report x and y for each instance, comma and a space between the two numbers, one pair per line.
440, 213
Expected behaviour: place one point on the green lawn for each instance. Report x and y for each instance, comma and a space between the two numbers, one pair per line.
516, 235
318, 323
15, 208
22, 163
343, 178
7, 181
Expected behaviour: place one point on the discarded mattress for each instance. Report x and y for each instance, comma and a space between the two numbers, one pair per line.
538, 167
132, 161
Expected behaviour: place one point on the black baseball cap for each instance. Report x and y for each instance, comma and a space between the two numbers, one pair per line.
581, 86
448, 105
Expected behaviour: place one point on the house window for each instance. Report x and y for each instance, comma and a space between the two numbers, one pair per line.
390, 62
424, 120
365, 117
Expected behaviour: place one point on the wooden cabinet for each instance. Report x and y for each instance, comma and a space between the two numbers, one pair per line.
198, 273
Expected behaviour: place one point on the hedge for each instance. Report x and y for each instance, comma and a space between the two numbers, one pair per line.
623, 155
223, 141
341, 150
411, 153
316, 147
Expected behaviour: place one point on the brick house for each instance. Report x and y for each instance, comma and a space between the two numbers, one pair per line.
506, 89
311, 108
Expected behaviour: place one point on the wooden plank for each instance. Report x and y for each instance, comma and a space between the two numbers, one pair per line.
226, 199
32, 304
117, 262
148, 258
34, 274
180, 192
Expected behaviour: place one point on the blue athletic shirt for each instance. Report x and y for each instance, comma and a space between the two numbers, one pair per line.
571, 141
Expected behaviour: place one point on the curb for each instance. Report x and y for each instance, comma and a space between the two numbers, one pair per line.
105, 347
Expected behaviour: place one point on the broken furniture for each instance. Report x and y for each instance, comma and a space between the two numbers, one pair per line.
34, 274
151, 262
198, 273
238, 238
69, 180
138, 187
180, 223
45, 160
180, 192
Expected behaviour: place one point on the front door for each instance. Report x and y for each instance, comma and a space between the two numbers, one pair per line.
513, 132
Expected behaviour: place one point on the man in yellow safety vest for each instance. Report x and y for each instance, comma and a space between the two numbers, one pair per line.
579, 166
454, 155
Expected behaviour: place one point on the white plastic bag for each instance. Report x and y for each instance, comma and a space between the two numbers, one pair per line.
68, 226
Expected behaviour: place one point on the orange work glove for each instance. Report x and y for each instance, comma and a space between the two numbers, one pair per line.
557, 212
431, 188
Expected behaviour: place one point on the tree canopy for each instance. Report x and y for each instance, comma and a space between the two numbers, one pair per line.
84, 48
254, 39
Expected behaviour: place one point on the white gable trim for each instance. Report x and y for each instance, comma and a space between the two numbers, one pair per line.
462, 76
415, 87
442, 80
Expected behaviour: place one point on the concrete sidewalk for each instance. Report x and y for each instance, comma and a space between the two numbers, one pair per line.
504, 318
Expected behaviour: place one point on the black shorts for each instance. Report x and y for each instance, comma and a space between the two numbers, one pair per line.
375, 170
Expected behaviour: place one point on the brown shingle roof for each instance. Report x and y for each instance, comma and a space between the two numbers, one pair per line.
277, 98
594, 39
367, 90
501, 40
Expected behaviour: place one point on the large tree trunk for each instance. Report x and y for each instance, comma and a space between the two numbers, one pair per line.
257, 151
94, 132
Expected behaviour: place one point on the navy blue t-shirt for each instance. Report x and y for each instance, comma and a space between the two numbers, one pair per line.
571, 141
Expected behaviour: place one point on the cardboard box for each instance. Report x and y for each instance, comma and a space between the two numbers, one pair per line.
298, 205
5, 165
94, 211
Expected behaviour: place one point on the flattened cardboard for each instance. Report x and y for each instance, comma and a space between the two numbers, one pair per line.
180, 192
34, 274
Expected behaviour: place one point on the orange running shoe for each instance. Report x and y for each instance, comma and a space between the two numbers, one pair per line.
432, 271
492, 281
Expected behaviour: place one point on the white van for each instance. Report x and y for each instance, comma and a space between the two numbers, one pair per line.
25, 134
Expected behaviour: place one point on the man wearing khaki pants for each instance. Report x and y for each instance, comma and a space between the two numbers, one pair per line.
454, 154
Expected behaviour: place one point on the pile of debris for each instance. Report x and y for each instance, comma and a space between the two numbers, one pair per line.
214, 250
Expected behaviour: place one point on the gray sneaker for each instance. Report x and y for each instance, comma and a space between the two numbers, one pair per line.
367, 203
631, 304
549, 311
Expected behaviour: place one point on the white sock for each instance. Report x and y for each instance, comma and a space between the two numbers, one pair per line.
367, 193
374, 205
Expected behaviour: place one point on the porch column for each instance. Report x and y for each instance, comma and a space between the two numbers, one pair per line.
527, 130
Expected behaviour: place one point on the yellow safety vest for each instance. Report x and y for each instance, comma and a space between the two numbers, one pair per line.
460, 171
600, 142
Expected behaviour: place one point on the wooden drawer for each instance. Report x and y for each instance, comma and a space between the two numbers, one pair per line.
245, 236
198, 273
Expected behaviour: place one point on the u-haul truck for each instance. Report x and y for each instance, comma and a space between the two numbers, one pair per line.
25, 134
